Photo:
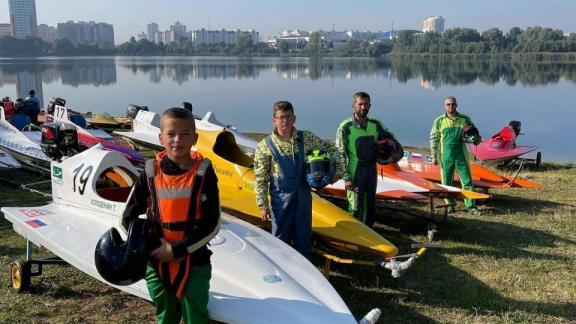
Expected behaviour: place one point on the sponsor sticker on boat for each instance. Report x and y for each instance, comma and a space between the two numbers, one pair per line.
57, 175
57, 172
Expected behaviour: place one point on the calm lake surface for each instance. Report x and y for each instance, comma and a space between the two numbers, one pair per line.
406, 94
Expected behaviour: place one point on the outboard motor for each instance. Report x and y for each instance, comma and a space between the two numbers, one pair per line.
59, 140
52, 104
132, 110
516, 126
186, 105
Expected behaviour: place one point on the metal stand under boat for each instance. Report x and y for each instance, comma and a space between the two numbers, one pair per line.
22, 271
393, 264
372, 317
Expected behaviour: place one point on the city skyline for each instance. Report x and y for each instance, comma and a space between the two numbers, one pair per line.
131, 17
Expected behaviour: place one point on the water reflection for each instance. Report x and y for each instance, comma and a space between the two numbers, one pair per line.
434, 73
431, 73
29, 74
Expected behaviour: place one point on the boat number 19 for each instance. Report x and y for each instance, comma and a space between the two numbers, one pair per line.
85, 174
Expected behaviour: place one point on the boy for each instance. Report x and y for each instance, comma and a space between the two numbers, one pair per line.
279, 172
179, 194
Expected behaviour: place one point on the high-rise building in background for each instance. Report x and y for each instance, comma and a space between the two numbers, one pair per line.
433, 24
47, 33
5, 30
203, 36
178, 31
90, 33
152, 29
23, 18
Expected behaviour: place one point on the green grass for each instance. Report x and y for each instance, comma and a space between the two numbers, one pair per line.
516, 262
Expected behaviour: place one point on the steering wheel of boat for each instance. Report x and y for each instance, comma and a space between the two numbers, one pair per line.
31, 127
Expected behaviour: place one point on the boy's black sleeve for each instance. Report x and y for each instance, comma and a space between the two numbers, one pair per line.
138, 201
208, 226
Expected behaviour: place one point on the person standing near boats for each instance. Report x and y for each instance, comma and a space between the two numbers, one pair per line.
179, 193
448, 136
279, 172
356, 140
32, 107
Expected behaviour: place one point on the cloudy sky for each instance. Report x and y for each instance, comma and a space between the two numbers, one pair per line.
269, 17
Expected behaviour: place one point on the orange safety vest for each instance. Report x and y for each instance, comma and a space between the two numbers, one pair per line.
173, 197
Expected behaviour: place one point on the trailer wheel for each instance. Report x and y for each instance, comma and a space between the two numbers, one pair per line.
538, 159
20, 275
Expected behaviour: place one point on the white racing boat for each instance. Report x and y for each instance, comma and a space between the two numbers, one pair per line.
8, 162
20, 147
256, 278
146, 127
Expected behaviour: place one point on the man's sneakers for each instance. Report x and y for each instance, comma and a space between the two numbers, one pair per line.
474, 211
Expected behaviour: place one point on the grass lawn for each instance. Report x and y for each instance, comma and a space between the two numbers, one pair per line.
515, 262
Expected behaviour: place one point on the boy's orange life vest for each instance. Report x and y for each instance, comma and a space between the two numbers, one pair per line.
172, 199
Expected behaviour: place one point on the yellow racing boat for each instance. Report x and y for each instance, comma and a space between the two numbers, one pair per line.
330, 224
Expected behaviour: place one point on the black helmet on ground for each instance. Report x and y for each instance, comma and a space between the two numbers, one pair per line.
388, 151
123, 263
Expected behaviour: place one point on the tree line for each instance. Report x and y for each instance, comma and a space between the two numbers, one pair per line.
463, 41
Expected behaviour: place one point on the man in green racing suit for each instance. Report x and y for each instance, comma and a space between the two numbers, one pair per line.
356, 139
447, 145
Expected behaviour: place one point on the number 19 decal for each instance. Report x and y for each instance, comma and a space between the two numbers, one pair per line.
85, 174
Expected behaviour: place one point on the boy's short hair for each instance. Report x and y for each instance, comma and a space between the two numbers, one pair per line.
360, 95
31, 92
178, 113
282, 105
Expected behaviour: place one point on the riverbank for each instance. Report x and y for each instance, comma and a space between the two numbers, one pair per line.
513, 263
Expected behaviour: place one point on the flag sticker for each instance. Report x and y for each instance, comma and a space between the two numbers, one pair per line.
35, 212
35, 223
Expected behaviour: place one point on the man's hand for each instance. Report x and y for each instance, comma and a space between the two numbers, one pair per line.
164, 252
349, 185
266, 214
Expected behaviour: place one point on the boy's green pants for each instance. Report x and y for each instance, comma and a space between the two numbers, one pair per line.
193, 307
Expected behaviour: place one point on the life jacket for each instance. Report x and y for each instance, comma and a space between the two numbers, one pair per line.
172, 199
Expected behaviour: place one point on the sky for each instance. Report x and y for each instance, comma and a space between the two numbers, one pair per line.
269, 17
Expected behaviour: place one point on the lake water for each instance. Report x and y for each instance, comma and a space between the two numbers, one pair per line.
406, 94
